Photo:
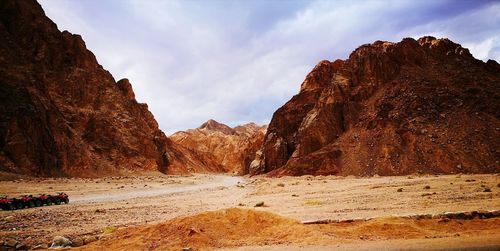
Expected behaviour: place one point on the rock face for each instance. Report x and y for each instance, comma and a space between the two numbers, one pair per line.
221, 147
61, 113
390, 109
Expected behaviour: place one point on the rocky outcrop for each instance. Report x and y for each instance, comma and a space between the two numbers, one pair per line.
220, 147
61, 113
423, 106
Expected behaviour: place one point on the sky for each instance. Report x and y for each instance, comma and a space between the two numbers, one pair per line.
239, 61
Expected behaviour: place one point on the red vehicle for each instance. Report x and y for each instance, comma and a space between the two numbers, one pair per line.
10, 203
31, 201
45, 199
60, 198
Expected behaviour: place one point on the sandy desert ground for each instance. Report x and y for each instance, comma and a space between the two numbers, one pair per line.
131, 205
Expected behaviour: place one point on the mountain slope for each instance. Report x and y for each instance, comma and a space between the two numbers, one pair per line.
390, 109
222, 147
61, 113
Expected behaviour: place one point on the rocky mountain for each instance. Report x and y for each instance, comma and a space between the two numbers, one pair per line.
417, 106
222, 147
62, 114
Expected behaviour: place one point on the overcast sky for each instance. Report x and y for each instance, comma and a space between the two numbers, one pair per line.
238, 61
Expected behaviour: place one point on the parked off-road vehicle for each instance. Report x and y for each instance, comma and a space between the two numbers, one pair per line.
45, 199
10, 203
6, 203
60, 198
28, 201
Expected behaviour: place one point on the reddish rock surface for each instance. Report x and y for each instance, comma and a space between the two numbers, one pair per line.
423, 106
61, 113
220, 147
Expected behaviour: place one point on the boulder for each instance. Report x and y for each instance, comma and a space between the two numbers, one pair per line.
60, 242
11, 243
40, 246
9, 218
77, 242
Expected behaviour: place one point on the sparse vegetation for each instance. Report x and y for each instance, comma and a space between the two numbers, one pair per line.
470, 180
281, 185
241, 204
427, 187
260, 204
313, 202
400, 190
487, 190
109, 230
295, 195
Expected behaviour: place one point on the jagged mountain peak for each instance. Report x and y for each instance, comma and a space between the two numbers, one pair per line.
390, 109
231, 149
213, 125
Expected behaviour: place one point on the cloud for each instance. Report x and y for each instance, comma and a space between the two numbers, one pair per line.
476, 29
237, 61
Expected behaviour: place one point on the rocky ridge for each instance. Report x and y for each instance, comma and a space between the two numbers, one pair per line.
417, 106
220, 146
62, 114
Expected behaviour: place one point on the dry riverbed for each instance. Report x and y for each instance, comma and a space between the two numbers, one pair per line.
100, 206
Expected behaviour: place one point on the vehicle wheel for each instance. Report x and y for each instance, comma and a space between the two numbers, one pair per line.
38, 203
57, 202
11, 207
31, 204
19, 205
49, 202
66, 200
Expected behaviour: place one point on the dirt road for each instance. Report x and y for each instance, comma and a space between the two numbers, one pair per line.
112, 202
98, 205
214, 181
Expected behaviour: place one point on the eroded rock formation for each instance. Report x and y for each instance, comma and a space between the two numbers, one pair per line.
224, 148
61, 113
415, 106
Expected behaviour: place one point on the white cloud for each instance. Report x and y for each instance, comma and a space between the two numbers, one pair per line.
195, 60
481, 49
476, 30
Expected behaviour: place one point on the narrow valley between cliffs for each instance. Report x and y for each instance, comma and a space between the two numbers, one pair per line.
383, 145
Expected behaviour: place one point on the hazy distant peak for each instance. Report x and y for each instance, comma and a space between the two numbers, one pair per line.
213, 125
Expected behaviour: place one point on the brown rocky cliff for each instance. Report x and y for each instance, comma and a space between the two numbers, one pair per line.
61, 113
390, 109
222, 148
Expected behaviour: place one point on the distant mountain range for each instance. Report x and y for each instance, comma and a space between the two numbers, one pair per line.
230, 149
